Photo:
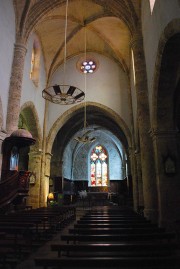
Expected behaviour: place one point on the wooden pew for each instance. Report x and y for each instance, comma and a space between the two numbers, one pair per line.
12, 249
168, 236
115, 225
115, 216
46, 220
117, 249
80, 221
121, 217
5, 258
21, 231
129, 231
123, 242
108, 262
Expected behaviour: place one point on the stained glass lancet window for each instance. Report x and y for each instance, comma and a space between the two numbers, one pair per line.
99, 166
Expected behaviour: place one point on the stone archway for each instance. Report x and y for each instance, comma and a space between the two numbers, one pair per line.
73, 111
70, 122
30, 117
1, 115
170, 31
2, 132
165, 122
29, 113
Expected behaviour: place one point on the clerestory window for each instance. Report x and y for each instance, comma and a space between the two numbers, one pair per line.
152, 3
35, 62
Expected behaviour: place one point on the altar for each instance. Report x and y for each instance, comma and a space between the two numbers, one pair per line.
94, 198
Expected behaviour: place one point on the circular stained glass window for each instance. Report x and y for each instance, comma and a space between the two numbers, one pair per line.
88, 66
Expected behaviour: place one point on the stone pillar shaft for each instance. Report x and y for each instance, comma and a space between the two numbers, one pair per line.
139, 180
146, 146
2, 137
165, 147
35, 167
15, 87
135, 179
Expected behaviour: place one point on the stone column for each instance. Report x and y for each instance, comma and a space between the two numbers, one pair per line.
134, 179
44, 190
166, 148
139, 179
61, 173
147, 157
2, 137
34, 188
15, 87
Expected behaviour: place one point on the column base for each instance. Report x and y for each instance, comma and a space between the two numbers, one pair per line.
151, 214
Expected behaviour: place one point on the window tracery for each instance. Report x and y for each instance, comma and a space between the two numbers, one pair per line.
99, 166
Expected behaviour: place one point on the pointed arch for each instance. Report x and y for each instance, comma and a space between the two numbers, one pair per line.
1, 115
29, 116
99, 165
105, 111
171, 30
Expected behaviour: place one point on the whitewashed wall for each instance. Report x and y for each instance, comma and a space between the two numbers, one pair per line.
153, 26
133, 96
7, 40
77, 158
107, 86
29, 91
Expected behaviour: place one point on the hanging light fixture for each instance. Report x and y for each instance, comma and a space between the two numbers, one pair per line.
85, 138
63, 94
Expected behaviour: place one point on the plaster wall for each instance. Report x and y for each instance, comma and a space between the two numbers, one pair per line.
107, 86
29, 91
133, 96
7, 40
153, 26
78, 158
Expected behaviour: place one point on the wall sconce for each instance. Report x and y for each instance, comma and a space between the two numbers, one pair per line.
50, 196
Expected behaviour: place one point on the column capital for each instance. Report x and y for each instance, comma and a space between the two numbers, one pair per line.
35, 153
137, 39
48, 155
130, 151
3, 135
137, 152
20, 46
155, 133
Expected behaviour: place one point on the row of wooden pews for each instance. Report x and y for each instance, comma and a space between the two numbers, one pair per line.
22, 232
113, 238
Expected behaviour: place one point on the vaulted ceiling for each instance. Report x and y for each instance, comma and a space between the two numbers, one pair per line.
109, 26
103, 26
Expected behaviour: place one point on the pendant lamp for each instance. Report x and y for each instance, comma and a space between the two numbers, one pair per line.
63, 94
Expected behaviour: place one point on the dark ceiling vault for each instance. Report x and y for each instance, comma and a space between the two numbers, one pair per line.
95, 119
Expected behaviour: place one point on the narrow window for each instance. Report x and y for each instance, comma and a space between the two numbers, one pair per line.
133, 66
152, 2
99, 166
35, 62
